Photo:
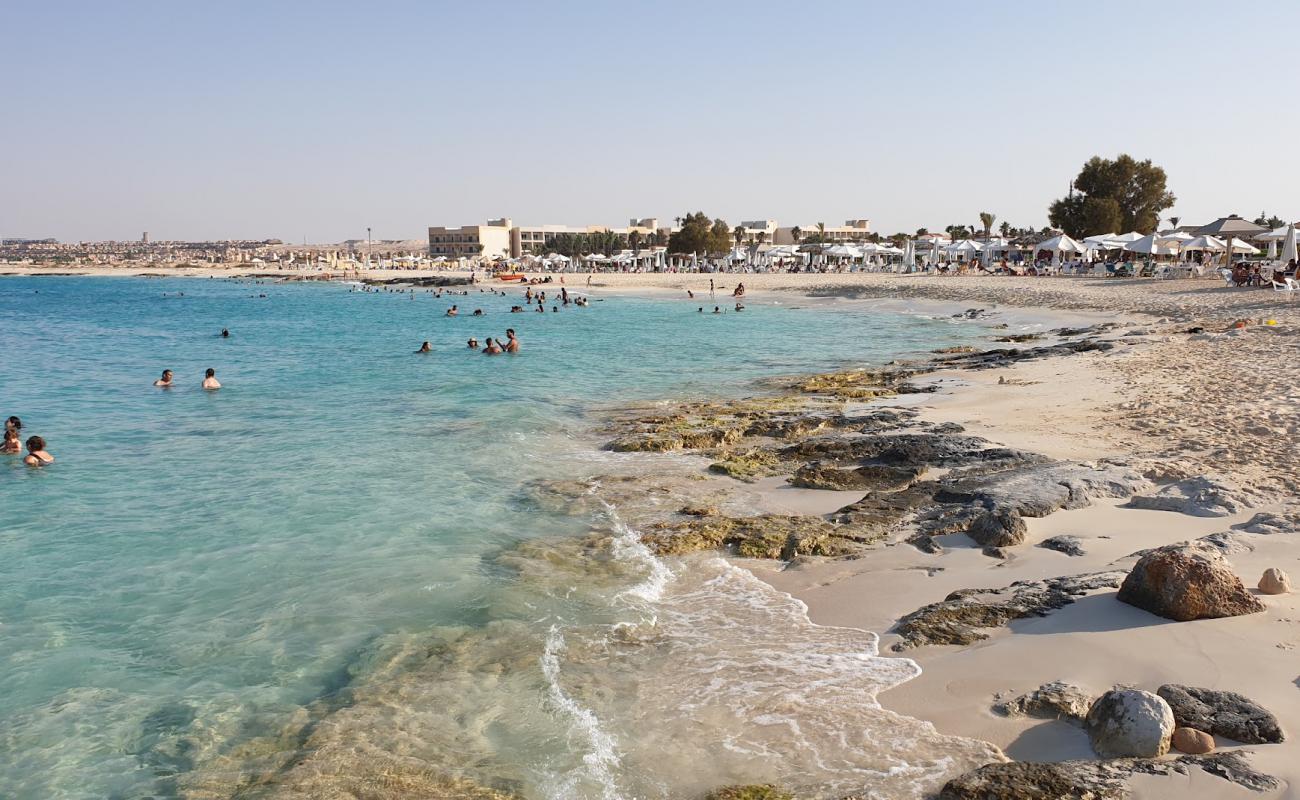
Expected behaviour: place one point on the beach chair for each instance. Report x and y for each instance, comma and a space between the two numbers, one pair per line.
1226, 274
1289, 287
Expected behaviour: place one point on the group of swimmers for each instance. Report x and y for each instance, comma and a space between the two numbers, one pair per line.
210, 382
37, 455
493, 347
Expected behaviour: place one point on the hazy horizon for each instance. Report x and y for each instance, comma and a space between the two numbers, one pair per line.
314, 121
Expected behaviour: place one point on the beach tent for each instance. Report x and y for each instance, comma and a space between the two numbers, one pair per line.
842, 251
1231, 226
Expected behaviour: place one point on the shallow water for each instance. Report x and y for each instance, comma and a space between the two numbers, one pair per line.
331, 555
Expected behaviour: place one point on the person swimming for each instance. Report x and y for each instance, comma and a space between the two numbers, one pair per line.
11, 443
492, 348
717, 310
165, 381
225, 333
512, 344
36, 455
210, 381
453, 311
14, 424
740, 307
478, 312
425, 348
472, 343
541, 309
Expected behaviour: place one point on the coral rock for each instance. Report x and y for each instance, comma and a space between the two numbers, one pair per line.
1186, 582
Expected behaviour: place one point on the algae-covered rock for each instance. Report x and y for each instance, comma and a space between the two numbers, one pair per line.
772, 536
747, 466
647, 443
872, 476
764, 791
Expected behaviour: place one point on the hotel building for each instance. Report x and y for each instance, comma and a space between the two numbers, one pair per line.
853, 230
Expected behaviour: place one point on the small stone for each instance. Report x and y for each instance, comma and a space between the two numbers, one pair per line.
1130, 723
1274, 581
1192, 741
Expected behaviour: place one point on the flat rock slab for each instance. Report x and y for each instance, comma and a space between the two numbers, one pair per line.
1197, 497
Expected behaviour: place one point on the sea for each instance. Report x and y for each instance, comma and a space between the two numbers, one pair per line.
331, 579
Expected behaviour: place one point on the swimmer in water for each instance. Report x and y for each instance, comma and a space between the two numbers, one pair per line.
472, 344
740, 307
210, 381
512, 344
165, 381
36, 455
225, 333
425, 348
478, 312
11, 443
453, 311
492, 348
541, 309
14, 424
717, 310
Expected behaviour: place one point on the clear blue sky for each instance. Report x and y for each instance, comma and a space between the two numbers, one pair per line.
315, 119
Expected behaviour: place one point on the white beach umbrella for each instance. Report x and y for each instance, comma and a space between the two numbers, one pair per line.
1150, 245
1175, 238
1238, 246
1125, 238
842, 251
1060, 244
909, 254
1289, 245
1204, 243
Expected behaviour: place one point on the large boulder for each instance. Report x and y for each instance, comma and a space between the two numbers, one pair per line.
1225, 714
1187, 581
1024, 780
1002, 528
1130, 723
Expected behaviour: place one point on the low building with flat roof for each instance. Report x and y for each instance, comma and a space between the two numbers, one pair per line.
853, 230
490, 240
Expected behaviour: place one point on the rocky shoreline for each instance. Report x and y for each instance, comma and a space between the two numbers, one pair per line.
928, 486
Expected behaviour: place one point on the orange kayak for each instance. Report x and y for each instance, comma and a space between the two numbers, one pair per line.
510, 277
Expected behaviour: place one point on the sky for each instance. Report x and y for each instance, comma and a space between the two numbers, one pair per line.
315, 120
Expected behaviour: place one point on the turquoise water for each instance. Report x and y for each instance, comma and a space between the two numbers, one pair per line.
196, 566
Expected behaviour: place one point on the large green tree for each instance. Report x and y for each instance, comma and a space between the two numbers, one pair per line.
1117, 195
699, 234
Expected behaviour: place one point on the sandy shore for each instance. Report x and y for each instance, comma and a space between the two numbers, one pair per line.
1221, 401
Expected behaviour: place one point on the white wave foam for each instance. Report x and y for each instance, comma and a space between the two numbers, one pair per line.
627, 546
600, 759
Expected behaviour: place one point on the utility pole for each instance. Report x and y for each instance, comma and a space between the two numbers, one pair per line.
367, 247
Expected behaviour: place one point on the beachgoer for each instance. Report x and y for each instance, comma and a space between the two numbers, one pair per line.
690, 294
425, 348
701, 309
225, 333
11, 443
14, 424
478, 312
512, 344
210, 381
541, 309
165, 381
740, 307
36, 455
451, 312
492, 348
472, 344
717, 310
740, 290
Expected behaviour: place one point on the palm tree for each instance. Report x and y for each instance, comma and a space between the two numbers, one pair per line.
762, 237
1005, 229
1175, 220
634, 239
796, 233
821, 231
987, 220
740, 234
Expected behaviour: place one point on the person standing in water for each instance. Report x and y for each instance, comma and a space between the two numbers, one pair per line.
165, 382
210, 381
492, 348
512, 344
11, 444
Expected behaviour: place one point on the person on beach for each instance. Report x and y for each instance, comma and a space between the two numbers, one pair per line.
36, 455
165, 381
473, 343
425, 348
690, 295
11, 443
453, 311
512, 344
492, 348
740, 290
210, 381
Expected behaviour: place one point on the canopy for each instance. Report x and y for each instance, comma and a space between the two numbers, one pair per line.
1275, 235
1060, 244
1174, 238
1231, 226
1131, 236
781, 251
842, 250
889, 249
1100, 238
